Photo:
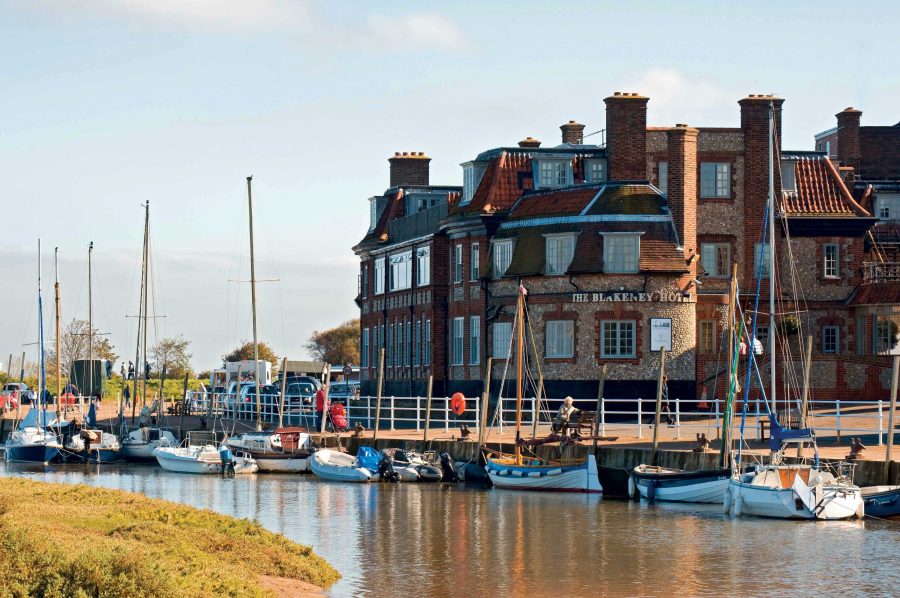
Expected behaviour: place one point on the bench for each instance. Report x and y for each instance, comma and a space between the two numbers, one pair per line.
789, 419
583, 420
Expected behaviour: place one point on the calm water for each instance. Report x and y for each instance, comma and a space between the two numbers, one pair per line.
433, 540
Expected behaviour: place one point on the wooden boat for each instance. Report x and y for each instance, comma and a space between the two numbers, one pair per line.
677, 485
205, 459
881, 501
284, 450
516, 472
338, 467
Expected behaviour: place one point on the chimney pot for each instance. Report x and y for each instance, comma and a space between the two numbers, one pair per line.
530, 142
572, 132
409, 168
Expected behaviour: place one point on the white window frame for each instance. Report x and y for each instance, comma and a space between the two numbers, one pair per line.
617, 327
364, 352
401, 271
417, 344
788, 175
379, 276
472, 175
475, 340
831, 265
475, 262
559, 339
426, 353
457, 264
831, 346
594, 167
707, 328
611, 245
761, 252
663, 169
559, 250
458, 342
373, 213
719, 186
389, 343
553, 173
423, 266
710, 256
502, 337
502, 258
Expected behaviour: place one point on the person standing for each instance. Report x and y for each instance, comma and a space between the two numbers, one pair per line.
130, 370
320, 407
126, 395
122, 371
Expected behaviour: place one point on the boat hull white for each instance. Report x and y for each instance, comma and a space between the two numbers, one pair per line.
547, 478
337, 467
282, 465
708, 486
185, 460
710, 492
825, 502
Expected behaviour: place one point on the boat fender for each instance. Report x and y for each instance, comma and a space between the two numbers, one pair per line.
517, 473
738, 503
651, 489
534, 474
726, 501
554, 472
860, 510
632, 488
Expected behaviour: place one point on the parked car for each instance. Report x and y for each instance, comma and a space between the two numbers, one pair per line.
342, 392
17, 391
269, 395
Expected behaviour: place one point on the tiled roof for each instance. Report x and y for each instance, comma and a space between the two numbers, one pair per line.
820, 191
505, 179
558, 202
628, 198
876, 293
394, 208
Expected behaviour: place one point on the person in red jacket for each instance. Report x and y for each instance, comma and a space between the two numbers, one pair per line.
320, 407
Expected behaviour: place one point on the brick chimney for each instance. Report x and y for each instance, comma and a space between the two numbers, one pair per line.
626, 136
755, 128
682, 185
572, 132
848, 136
530, 142
409, 168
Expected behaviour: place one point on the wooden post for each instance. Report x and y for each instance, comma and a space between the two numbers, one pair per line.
807, 365
482, 423
427, 410
890, 438
659, 393
596, 429
283, 385
327, 398
378, 394
22, 368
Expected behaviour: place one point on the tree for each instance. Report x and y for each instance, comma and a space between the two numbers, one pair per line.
336, 345
245, 353
74, 344
172, 353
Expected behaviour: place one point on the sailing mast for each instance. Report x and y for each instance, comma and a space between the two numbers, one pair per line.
42, 379
137, 350
59, 392
253, 303
90, 322
772, 253
146, 285
520, 333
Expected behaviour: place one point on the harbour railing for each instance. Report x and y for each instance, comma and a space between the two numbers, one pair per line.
633, 417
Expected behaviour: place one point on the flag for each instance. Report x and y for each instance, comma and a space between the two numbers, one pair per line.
523, 290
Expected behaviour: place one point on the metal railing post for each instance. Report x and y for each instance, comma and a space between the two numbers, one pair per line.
446, 414
602, 417
880, 423
418, 412
716, 403
837, 419
640, 420
369, 411
758, 422
392, 412
677, 418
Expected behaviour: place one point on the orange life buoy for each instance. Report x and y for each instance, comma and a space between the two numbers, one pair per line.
458, 403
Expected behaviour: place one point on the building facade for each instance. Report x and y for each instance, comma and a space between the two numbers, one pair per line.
625, 246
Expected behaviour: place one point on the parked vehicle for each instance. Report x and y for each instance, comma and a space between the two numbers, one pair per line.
18, 390
269, 395
343, 392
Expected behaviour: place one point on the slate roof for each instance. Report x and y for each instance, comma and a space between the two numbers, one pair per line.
820, 191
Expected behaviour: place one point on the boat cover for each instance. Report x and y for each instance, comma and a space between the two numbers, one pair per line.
368, 458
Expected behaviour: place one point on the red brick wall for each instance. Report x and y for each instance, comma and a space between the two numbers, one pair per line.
879, 152
409, 168
626, 137
682, 186
848, 136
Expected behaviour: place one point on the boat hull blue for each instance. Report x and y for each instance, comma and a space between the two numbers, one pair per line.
883, 504
94, 456
37, 453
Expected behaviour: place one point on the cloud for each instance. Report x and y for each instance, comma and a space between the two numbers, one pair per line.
297, 19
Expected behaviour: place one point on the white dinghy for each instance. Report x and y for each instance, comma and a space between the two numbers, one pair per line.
200, 459
338, 467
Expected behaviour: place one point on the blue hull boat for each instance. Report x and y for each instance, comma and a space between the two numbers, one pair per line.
36, 453
881, 501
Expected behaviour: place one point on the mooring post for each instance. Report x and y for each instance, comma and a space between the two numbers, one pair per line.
659, 393
890, 439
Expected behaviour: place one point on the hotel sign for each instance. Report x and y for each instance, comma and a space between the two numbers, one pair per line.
613, 296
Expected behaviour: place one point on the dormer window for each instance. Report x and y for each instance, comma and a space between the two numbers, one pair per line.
472, 173
663, 178
502, 256
553, 173
373, 212
788, 176
560, 249
595, 171
621, 252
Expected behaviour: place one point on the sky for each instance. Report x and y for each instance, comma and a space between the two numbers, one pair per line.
110, 104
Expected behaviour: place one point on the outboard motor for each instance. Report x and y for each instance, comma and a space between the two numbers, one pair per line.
449, 472
386, 471
227, 461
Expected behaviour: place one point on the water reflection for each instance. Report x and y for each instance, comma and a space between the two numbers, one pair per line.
433, 540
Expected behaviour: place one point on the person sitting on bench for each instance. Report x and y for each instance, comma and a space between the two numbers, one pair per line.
565, 413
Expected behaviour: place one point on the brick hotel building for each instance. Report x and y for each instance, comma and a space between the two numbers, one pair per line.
631, 239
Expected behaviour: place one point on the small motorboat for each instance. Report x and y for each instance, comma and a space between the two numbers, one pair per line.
138, 445
93, 446
339, 467
203, 459
424, 469
881, 501
286, 450
676, 485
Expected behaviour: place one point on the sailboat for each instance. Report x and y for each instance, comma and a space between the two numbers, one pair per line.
518, 472
32, 442
699, 486
778, 489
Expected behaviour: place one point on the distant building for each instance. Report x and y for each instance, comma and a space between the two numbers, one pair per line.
624, 244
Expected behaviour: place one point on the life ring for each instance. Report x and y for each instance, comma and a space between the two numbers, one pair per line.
458, 403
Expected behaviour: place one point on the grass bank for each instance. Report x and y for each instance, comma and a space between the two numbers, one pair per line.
75, 540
